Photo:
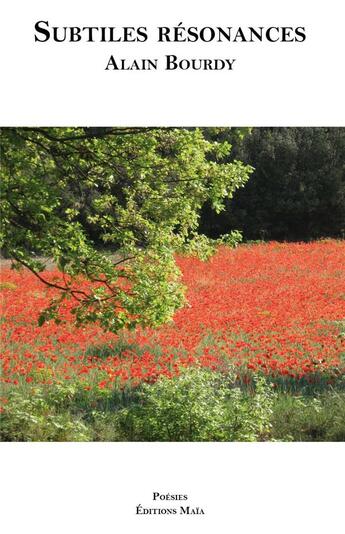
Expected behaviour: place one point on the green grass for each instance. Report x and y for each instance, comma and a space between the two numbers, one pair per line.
243, 412
309, 418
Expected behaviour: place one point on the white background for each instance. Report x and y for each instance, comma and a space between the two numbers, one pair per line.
261, 488
272, 84
86, 488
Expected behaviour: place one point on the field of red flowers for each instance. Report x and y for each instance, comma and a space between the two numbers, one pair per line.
277, 308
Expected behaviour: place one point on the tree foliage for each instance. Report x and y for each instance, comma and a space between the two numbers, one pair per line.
136, 191
297, 191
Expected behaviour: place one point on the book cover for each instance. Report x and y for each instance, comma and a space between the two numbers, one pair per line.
172, 266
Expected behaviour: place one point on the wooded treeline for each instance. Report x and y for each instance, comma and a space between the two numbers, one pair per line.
297, 191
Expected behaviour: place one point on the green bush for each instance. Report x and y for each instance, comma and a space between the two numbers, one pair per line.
198, 405
302, 418
35, 418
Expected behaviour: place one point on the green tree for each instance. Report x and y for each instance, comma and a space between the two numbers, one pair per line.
297, 190
136, 191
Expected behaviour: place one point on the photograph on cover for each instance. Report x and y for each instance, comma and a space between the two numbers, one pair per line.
172, 284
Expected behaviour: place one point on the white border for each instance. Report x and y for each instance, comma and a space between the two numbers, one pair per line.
95, 487
272, 84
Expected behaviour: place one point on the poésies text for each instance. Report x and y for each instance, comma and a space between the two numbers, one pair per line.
184, 509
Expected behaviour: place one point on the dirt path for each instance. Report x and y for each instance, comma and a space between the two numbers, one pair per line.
6, 264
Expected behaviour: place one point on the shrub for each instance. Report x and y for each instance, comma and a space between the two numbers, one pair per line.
302, 418
198, 405
34, 418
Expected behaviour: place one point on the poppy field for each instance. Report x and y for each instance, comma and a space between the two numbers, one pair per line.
275, 310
